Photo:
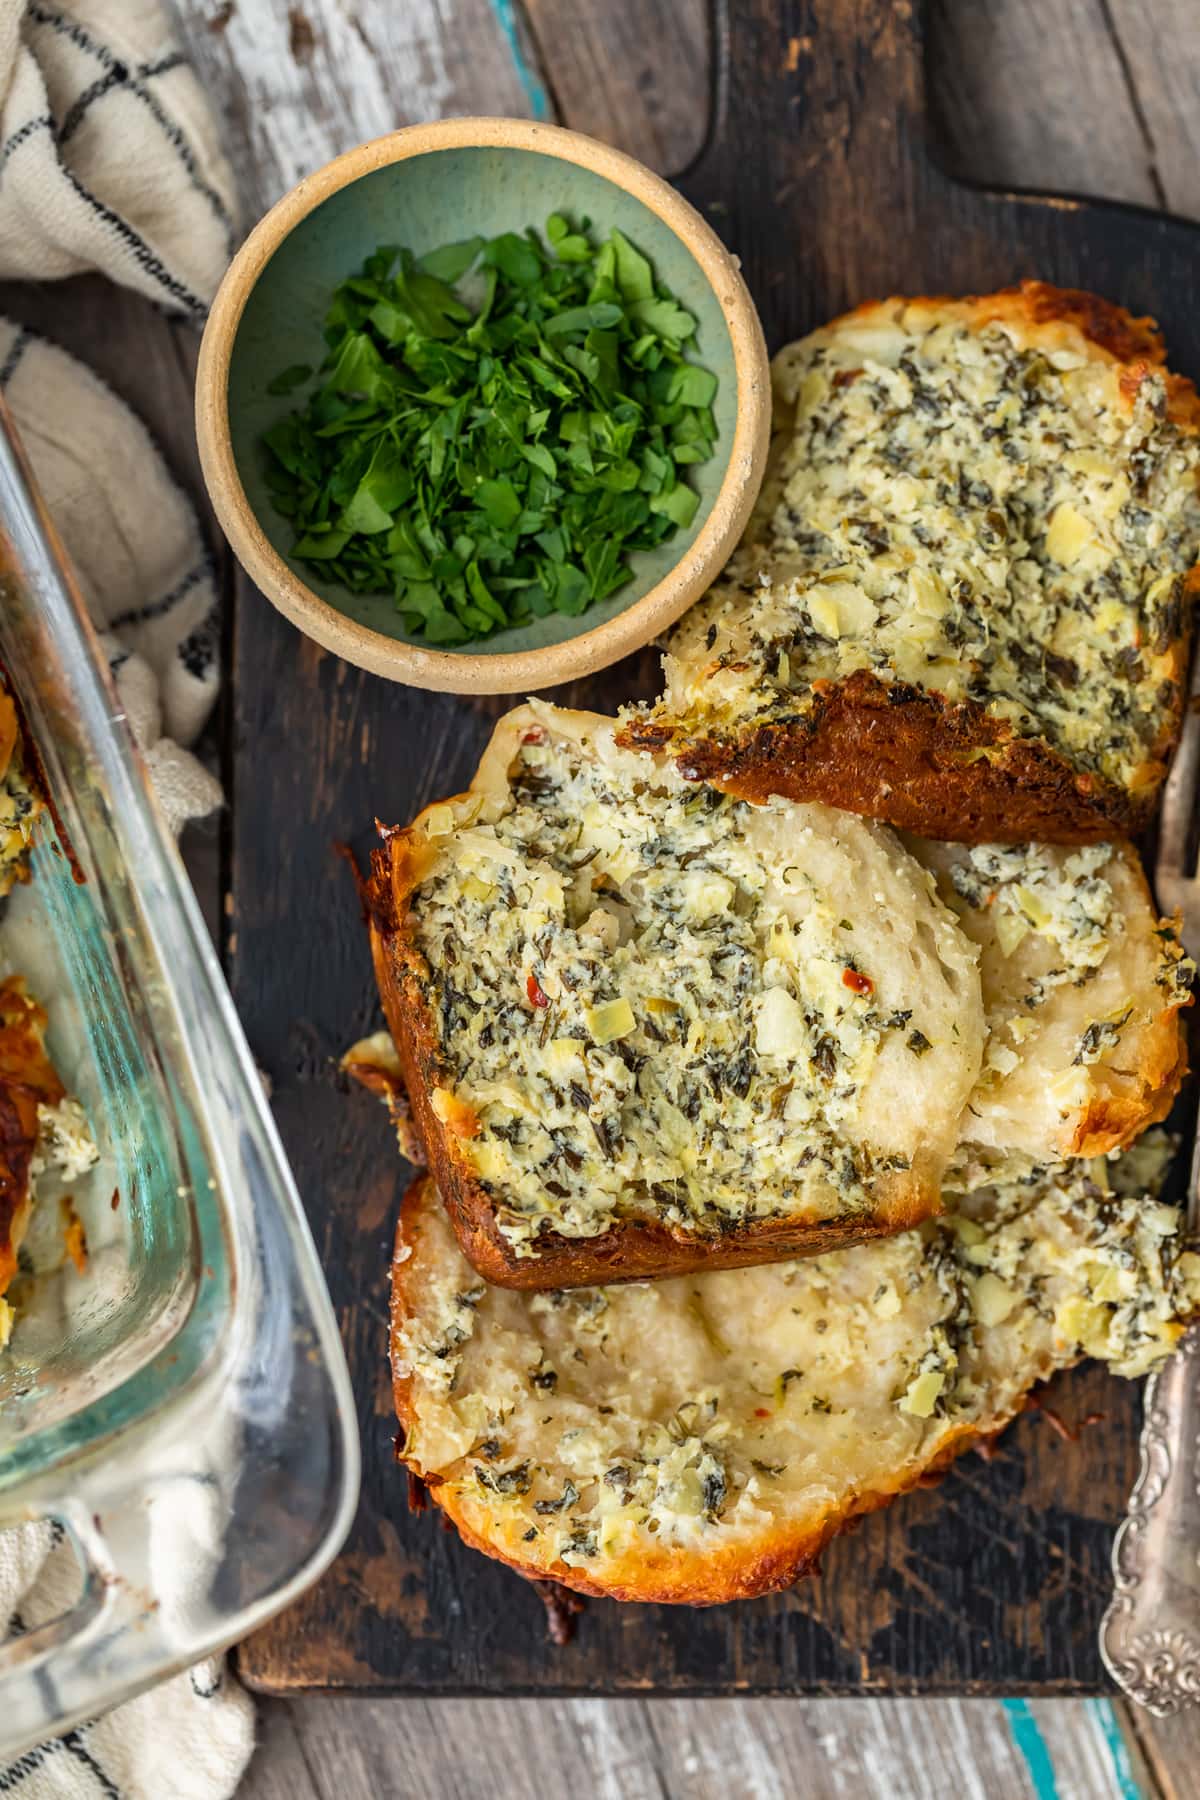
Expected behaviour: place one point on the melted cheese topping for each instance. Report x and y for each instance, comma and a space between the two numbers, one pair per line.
618, 1423
661, 1002
953, 511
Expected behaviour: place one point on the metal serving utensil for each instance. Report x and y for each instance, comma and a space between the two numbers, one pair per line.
1150, 1634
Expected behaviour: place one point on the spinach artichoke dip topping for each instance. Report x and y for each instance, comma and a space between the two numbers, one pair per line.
692, 1411
1065, 899
657, 1001
958, 513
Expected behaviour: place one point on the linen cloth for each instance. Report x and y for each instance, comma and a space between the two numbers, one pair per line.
109, 156
110, 161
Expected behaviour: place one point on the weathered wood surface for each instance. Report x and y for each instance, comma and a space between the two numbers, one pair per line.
816, 174
1084, 95
688, 1750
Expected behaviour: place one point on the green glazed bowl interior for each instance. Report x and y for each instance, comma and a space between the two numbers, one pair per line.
422, 202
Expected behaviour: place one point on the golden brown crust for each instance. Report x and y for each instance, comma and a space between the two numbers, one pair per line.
1056, 318
387, 1084
905, 754
632, 1249
707, 1578
1144, 1096
784, 1555
1113, 1121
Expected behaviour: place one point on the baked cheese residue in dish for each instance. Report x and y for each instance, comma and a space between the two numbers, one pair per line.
44, 1134
657, 1001
20, 803
962, 513
608, 1425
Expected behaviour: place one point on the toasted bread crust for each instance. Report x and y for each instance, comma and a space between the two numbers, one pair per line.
1145, 1096
703, 1578
707, 1578
1051, 318
1131, 1084
632, 1249
1114, 1121
908, 755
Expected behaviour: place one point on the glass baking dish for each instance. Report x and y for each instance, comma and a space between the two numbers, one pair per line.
182, 1406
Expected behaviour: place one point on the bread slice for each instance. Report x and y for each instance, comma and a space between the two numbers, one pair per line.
701, 1439
962, 604
1082, 987
647, 1029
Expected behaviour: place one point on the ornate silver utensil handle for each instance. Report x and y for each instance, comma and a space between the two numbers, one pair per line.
1150, 1635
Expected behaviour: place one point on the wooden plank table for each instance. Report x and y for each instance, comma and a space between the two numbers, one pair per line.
1074, 94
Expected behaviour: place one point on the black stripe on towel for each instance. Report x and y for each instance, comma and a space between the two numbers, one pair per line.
73, 1741
29, 1764
43, 122
17, 349
156, 609
142, 254
118, 74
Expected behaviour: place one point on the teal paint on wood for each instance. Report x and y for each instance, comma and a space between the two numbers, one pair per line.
535, 91
1027, 1736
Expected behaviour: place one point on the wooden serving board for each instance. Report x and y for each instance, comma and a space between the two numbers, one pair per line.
818, 173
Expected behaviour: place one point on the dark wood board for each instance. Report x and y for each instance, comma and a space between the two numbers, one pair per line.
817, 171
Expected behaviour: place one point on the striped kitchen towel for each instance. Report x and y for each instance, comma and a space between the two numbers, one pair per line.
110, 162
109, 156
135, 541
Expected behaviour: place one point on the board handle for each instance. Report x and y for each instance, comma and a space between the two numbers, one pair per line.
817, 144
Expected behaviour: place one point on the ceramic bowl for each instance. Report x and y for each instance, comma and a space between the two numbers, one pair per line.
422, 187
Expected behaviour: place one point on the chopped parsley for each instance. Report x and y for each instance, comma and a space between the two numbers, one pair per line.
496, 428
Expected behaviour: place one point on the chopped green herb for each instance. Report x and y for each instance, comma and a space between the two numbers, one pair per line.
495, 454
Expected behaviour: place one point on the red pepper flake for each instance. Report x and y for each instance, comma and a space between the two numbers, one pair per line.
858, 984
537, 996
762, 1412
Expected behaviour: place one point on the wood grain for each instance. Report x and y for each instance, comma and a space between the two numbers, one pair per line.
1171, 1748
682, 1749
996, 1582
992, 125
296, 84
1160, 54
634, 75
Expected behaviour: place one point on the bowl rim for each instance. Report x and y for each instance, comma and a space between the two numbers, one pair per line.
465, 671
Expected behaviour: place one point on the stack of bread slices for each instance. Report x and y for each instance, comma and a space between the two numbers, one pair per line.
781, 1051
